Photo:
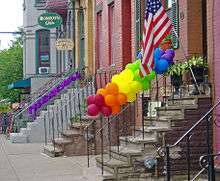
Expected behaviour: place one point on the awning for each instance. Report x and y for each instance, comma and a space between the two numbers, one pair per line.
20, 84
58, 6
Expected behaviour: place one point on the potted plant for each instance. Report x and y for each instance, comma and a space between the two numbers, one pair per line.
176, 71
199, 67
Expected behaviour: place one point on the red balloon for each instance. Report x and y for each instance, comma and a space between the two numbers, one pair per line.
99, 100
93, 110
106, 111
90, 100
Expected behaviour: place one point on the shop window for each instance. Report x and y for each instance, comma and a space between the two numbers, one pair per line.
42, 49
111, 34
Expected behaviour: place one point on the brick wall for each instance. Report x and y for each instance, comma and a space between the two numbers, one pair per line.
122, 36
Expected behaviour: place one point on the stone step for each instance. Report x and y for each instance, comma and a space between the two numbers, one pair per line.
171, 117
62, 141
70, 133
137, 140
173, 113
18, 138
49, 150
124, 153
187, 101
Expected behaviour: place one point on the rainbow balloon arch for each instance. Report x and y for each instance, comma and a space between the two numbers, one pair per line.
124, 86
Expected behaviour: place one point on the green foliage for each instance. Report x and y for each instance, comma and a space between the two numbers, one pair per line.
4, 108
182, 67
11, 61
197, 62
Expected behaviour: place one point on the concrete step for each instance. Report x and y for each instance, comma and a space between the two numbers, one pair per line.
70, 133
18, 138
137, 141
124, 153
170, 113
62, 142
154, 129
52, 151
187, 101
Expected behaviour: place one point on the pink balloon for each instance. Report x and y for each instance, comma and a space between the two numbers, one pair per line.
90, 100
99, 100
93, 110
106, 111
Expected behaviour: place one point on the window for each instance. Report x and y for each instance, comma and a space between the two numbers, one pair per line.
42, 49
168, 4
111, 33
175, 22
98, 40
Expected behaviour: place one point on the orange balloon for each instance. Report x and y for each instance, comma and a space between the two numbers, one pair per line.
116, 110
110, 100
112, 88
102, 92
121, 99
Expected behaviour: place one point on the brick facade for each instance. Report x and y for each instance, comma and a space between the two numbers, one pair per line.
122, 40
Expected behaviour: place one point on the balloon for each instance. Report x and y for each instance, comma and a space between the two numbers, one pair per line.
158, 53
131, 97
127, 75
106, 111
110, 100
121, 99
102, 92
116, 78
124, 87
152, 75
90, 100
168, 57
115, 110
137, 75
93, 110
99, 100
145, 84
170, 51
112, 88
162, 66
139, 56
135, 87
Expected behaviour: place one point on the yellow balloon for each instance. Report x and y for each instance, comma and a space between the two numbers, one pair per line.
124, 87
116, 78
135, 87
131, 97
127, 75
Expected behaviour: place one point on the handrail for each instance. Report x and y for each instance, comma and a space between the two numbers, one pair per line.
54, 85
193, 127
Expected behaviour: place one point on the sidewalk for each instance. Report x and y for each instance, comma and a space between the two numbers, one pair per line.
25, 162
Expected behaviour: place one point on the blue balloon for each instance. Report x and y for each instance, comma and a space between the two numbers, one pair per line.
158, 53
139, 56
162, 66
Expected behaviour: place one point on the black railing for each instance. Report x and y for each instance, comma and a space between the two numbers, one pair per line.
206, 122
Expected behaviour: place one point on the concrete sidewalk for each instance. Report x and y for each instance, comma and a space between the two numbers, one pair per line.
25, 162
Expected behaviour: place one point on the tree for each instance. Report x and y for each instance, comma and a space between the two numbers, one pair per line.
11, 66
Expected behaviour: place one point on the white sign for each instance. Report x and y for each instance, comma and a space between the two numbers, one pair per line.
64, 44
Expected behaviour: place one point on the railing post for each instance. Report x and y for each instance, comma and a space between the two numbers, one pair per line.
45, 131
109, 137
188, 156
102, 144
143, 131
87, 144
168, 163
211, 169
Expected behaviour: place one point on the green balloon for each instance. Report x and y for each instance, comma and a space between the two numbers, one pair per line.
152, 75
137, 76
145, 84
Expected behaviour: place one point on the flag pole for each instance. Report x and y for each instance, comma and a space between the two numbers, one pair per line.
181, 47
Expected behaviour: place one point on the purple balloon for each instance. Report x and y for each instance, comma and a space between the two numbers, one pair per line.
168, 57
78, 75
170, 51
45, 99
73, 77
30, 110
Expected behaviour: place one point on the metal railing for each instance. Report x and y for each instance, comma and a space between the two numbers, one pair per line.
22, 116
206, 121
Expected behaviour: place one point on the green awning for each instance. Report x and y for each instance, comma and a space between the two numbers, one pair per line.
20, 84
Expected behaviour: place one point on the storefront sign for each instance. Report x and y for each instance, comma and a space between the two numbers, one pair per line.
50, 20
64, 44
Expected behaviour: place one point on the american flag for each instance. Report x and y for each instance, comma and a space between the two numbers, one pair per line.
157, 26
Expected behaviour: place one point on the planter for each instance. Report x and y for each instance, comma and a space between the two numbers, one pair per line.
176, 80
199, 73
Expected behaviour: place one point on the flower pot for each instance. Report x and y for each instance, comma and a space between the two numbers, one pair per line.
176, 80
199, 73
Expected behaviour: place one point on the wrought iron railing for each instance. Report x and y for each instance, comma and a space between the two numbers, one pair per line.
185, 140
